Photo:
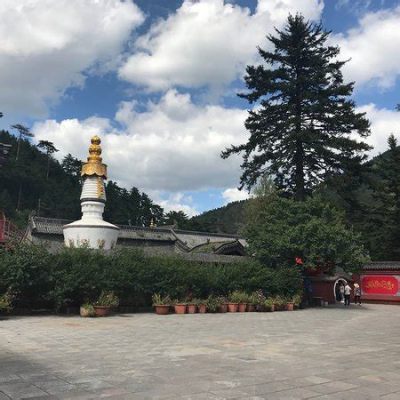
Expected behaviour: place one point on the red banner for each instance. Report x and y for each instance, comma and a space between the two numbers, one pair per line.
380, 284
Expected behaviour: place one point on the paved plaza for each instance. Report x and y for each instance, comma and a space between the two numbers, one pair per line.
320, 353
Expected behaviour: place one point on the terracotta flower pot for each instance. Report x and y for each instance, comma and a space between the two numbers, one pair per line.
180, 308
242, 307
161, 309
102, 311
223, 308
260, 308
289, 306
202, 308
251, 307
191, 308
233, 307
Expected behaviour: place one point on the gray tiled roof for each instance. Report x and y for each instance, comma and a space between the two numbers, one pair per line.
382, 265
185, 241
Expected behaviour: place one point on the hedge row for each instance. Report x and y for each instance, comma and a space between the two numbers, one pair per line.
73, 276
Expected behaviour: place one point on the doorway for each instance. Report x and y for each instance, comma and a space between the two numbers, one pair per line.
336, 290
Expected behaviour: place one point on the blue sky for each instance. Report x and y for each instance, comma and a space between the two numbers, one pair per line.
157, 80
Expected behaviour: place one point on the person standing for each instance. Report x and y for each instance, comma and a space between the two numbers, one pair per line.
347, 293
341, 291
357, 294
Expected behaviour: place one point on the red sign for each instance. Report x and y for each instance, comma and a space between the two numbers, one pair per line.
380, 284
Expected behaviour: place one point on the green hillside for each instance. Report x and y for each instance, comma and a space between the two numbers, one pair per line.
228, 219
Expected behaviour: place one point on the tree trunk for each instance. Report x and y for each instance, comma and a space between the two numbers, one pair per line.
19, 197
299, 173
48, 167
18, 146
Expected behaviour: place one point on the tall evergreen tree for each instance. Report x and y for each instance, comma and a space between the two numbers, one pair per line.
23, 132
49, 149
302, 120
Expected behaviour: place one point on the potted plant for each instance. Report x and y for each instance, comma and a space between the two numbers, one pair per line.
222, 304
161, 304
202, 306
105, 303
243, 301
290, 305
87, 310
234, 300
269, 305
6, 302
279, 303
180, 307
251, 302
192, 306
213, 303
260, 300
297, 299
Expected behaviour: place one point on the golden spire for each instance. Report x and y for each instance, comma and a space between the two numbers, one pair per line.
94, 165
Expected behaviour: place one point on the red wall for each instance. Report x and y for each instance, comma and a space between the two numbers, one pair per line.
380, 286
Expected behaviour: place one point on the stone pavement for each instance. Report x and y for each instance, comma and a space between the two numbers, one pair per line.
324, 353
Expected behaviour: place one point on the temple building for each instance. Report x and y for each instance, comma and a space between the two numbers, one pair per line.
379, 281
93, 232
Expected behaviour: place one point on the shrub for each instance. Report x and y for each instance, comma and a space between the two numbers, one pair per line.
75, 276
27, 271
6, 301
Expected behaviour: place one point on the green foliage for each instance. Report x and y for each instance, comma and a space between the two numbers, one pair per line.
238, 296
178, 219
212, 303
27, 271
77, 276
283, 229
6, 301
259, 297
301, 127
159, 300
107, 299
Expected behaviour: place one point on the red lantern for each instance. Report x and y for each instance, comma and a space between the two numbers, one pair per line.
299, 261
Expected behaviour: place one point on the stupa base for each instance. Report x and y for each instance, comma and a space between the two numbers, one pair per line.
97, 236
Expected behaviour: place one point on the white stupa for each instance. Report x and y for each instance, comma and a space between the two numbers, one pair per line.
91, 230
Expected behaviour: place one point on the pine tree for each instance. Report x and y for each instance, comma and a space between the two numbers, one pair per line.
302, 120
49, 149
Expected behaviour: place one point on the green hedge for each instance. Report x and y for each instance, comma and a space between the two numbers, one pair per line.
73, 276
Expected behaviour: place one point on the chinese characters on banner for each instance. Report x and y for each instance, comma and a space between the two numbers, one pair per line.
380, 284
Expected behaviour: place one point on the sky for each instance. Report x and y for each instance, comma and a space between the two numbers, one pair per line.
157, 80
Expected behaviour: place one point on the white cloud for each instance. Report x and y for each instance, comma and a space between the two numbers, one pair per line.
234, 194
373, 47
175, 202
47, 46
207, 42
383, 123
172, 146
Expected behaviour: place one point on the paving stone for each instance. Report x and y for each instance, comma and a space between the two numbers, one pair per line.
333, 387
325, 353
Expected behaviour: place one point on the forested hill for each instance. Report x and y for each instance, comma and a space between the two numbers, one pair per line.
38, 182
228, 219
